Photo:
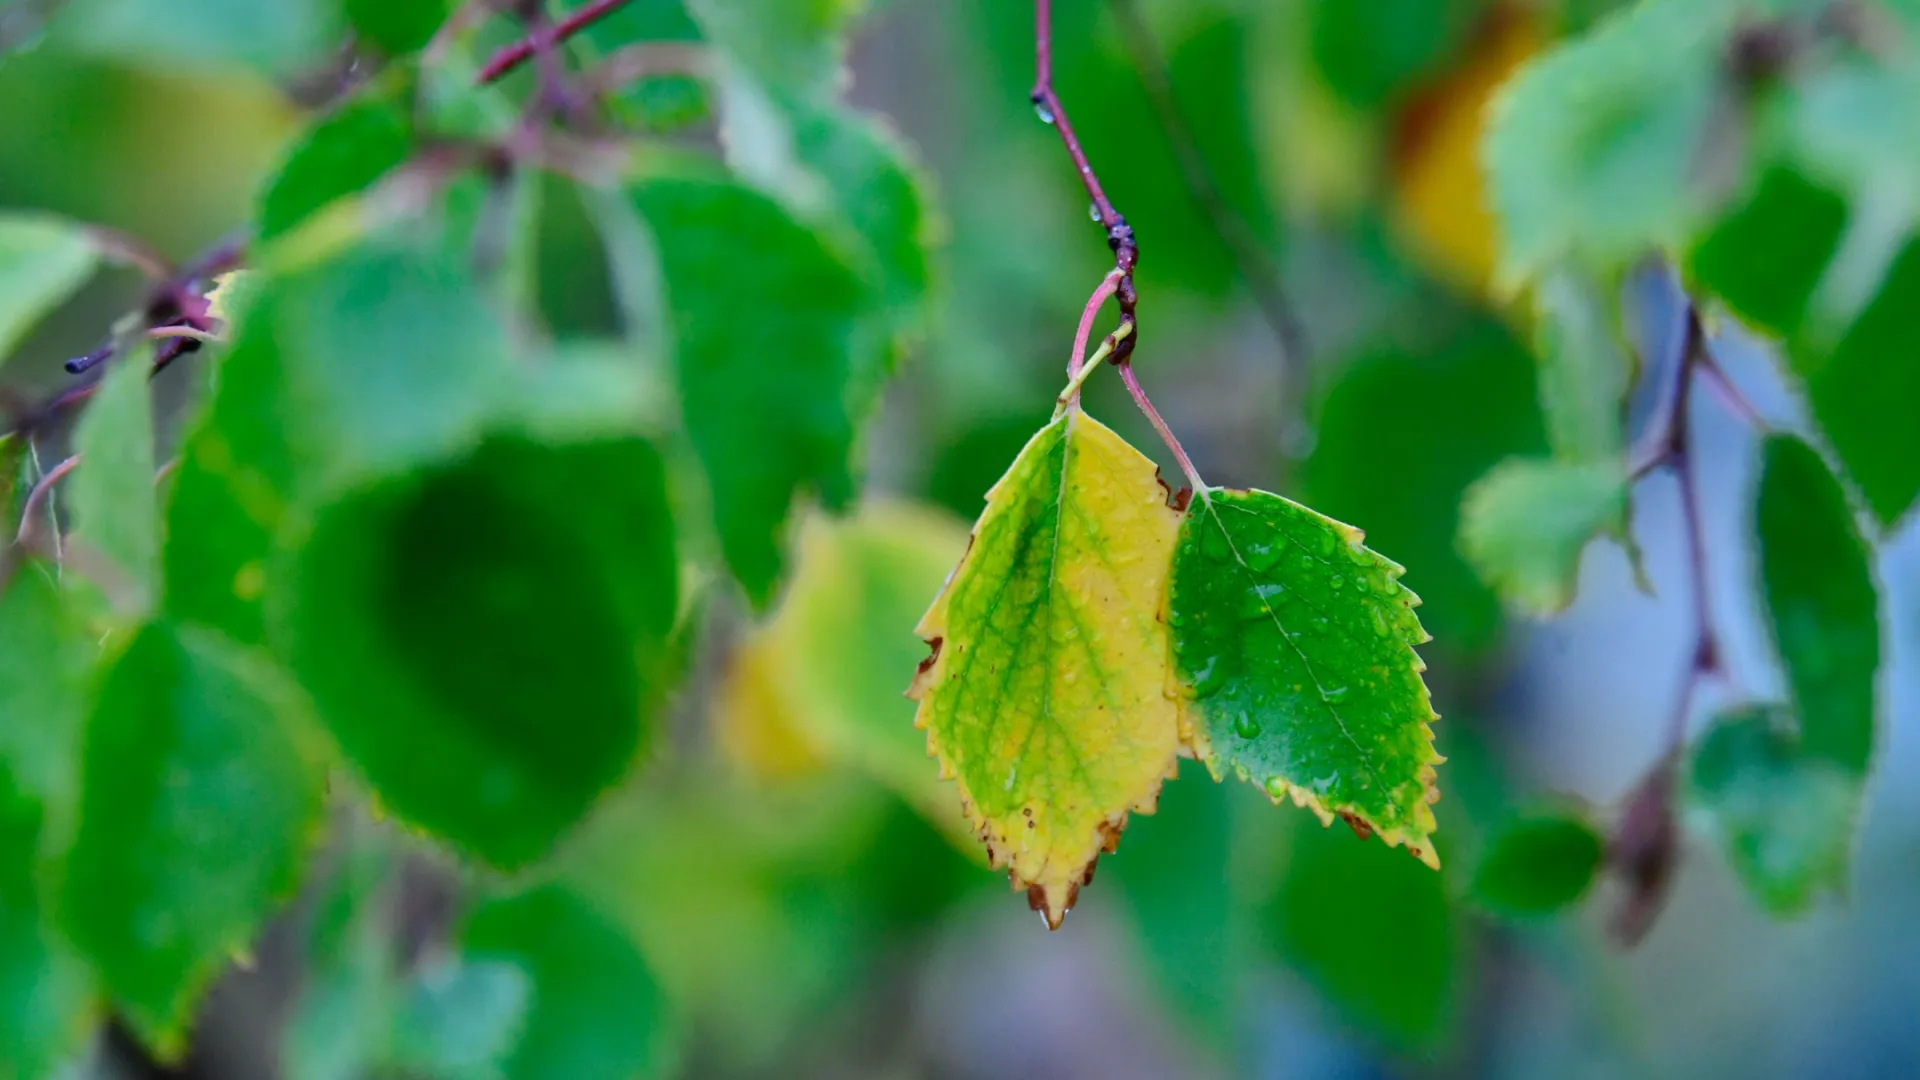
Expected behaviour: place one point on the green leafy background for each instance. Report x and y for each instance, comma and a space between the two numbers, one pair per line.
487, 688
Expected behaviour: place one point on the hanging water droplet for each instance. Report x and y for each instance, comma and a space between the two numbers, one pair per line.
1276, 789
1045, 114
1333, 694
1093, 212
1246, 726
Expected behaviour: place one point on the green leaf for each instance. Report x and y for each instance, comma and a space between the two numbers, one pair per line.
1294, 646
461, 1020
1859, 391
341, 155
1374, 933
596, 1012
43, 260
116, 511
1524, 525
372, 363
1371, 52
397, 27
1046, 694
488, 639
273, 37
44, 656
45, 992
1786, 817
1585, 372
1401, 436
1817, 579
1593, 150
767, 338
794, 47
200, 803
1766, 256
1538, 863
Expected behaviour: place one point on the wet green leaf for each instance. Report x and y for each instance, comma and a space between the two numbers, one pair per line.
596, 1010
201, 799
1524, 525
1816, 577
1538, 863
42, 261
488, 639
1786, 817
1293, 643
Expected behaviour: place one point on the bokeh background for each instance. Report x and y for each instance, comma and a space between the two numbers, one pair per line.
813, 915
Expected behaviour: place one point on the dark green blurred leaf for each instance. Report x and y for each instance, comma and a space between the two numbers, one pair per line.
1538, 863
116, 512
45, 991
1374, 931
1524, 525
1191, 912
487, 639
42, 261
1786, 818
1402, 435
343, 154
273, 37
379, 360
1594, 150
768, 337
1861, 391
1766, 256
44, 656
200, 803
462, 1020
1816, 576
397, 27
1371, 52
596, 1011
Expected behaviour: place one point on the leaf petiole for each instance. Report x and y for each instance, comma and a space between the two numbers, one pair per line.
1089, 366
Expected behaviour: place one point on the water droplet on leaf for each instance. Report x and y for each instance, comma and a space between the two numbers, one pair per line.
1246, 726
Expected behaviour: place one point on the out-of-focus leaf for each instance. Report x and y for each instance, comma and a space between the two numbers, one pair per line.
1817, 579
1764, 258
793, 47
116, 512
462, 1020
42, 261
1370, 52
1524, 525
344, 153
1046, 694
1594, 149
379, 360
272, 37
834, 660
595, 1009
487, 639
1401, 436
44, 989
1538, 863
1374, 932
1584, 370
397, 27
1293, 643
1859, 392
1786, 817
200, 800
767, 333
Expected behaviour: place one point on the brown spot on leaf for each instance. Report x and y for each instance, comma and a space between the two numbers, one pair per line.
1360, 827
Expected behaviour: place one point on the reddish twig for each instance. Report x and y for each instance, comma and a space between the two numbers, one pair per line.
1126, 252
512, 56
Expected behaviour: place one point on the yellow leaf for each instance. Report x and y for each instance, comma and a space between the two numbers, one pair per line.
1046, 694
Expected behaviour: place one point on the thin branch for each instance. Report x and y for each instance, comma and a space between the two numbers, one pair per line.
1166, 433
518, 53
1126, 253
1262, 275
29, 537
1100, 296
130, 250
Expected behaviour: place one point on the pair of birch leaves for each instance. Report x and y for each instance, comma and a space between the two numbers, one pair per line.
1093, 634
